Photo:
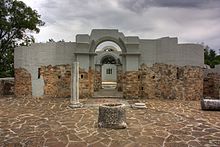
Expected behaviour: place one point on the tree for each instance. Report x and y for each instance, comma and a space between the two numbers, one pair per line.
17, 22
52, 40
211, 58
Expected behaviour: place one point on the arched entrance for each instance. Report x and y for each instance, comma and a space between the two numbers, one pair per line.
91, 60
107, 67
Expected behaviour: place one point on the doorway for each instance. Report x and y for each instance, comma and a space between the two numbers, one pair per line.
107, 63
109, 73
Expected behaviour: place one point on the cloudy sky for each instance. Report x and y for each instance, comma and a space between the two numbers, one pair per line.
190, 20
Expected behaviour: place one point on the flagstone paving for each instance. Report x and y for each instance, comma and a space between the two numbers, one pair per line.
49, 122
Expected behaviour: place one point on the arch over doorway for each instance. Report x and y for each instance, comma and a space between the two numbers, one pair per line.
86, 54
118, 41
107, 64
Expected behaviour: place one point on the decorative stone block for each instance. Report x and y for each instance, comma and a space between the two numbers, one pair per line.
139, 106
210, 104
112, 116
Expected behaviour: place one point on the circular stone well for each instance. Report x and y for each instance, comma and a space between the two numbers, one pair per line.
112, 116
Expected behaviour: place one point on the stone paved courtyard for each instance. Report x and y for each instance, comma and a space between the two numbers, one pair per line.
49, 122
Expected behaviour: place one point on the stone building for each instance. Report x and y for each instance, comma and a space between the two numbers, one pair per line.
141, 68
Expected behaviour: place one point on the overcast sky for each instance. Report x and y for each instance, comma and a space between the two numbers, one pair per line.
190, 20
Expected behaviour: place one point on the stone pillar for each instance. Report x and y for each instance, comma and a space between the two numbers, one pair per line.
74, 101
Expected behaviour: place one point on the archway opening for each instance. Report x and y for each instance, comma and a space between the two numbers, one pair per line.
108, 46
108, 66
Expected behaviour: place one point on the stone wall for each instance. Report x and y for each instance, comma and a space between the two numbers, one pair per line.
212, 85
119, 80
23, 86
159, 81
6, 86
86, 83
165, 82
98, 81
57, 80
131, 84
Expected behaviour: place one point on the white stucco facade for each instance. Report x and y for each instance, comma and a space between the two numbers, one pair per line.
134, 52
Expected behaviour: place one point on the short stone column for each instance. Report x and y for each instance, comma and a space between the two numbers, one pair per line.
74, 101
112, 116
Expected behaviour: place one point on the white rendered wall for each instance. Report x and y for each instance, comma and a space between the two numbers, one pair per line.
148, 50
166, 50
42, 54
84, 61
190, 54
132, 62
217, 68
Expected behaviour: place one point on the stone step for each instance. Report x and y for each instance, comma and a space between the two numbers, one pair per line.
139, 106
107, 97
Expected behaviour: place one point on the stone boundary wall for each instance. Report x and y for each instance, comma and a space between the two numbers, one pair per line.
211, 85
160, 81
6, 86
119, 80
98, 81
23, 86
57, 80
164, 82
131, 84
86, 83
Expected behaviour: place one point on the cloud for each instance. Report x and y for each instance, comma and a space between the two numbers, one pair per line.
140, 5
189, 20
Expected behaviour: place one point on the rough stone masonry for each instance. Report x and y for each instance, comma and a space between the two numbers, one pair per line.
164, 82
